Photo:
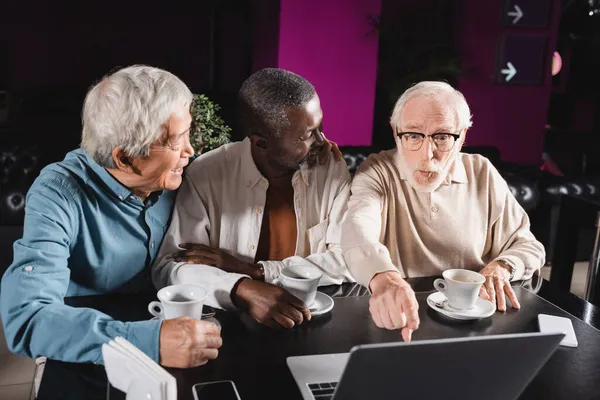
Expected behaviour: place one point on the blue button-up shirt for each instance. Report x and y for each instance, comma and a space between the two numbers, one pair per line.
84, 234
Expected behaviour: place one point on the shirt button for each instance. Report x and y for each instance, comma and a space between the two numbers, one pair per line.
435, 208
120, 197
28, 268
252, 246
258, 210
152, 244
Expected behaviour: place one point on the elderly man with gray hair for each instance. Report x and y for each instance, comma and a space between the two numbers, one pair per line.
424, 207
94, 223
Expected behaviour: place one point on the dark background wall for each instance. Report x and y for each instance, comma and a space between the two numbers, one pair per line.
51, 52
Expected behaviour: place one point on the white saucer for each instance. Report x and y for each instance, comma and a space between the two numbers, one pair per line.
482, 309
322, 304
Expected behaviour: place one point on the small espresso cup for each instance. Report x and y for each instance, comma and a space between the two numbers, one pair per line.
300, 281
461, 287
178, 301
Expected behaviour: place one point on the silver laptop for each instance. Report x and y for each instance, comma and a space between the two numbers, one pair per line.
491, 367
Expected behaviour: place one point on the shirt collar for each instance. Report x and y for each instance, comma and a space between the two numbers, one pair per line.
252, 175
304, 174
458, 173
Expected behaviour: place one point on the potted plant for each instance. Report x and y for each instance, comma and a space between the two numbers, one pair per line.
208, 130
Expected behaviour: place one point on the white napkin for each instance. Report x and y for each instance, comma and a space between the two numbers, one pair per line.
133, 372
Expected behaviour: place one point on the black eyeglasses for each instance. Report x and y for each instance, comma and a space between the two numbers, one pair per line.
441, 141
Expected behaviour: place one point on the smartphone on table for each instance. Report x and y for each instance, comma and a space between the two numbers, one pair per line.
219, 390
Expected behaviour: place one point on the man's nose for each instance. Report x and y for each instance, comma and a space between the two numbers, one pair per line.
427, 149
188, 150
319, 138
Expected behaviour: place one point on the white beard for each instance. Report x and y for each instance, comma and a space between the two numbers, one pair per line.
439, 174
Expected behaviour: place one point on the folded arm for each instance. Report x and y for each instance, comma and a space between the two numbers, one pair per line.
190, 223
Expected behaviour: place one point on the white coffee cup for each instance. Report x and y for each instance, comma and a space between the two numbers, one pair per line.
461, 287
178, 301
300, 281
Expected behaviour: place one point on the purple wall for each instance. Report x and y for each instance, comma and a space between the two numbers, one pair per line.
328, 43
513, 118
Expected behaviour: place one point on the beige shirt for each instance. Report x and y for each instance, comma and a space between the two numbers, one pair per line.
221, 204
469, 221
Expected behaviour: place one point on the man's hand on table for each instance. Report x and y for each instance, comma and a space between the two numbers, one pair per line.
393, 304
269, 304
186, 342
202, 254
497, 284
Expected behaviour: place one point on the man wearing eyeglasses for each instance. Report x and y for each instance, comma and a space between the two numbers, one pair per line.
425, 207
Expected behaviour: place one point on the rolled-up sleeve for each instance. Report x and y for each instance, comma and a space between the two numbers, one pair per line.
36, 320
510, 232
365, 255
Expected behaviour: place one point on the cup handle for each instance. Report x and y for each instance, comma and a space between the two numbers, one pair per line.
152, 309
440, 285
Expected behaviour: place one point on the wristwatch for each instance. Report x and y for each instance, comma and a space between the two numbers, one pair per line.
509, 266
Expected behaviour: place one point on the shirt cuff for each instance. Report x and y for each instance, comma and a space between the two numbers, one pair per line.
368, 260
516, 263
145, 336
272, 270
217, 282
222, 290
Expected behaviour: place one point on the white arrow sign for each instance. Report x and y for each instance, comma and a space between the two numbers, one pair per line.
510, 72
518, 14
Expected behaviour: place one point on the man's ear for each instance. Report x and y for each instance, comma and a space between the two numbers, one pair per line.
259, 141
463, 136
397, 140
461, 140
122, 160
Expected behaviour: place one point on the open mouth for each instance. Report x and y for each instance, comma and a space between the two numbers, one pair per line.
427, 174
179, 171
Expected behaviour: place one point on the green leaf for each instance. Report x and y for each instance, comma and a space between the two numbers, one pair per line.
207, 125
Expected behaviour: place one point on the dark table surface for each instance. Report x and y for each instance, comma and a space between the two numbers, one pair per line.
253, 355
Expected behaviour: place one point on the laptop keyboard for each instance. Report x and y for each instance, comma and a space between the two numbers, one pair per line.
322, 391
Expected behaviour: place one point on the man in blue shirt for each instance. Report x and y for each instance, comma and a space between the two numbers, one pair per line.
94, 223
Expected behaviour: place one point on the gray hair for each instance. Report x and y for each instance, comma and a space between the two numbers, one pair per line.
264, 96
129, 109
435, 90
